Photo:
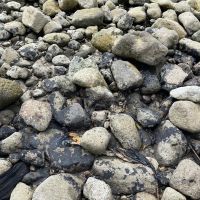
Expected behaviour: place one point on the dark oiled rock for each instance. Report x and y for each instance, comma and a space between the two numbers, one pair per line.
9, 179
68, 158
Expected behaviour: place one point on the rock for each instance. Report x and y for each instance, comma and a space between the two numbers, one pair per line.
60, 186
117, 13
10, 92
138, 14
144, 196
124, 177
73, 116
125, 22
89, 77
36, 114
15, 27
6, 116
170, 14
105, 38
52, 27
31, 16
153, 10
126, 75
29, 51
16, 72
88, 3
190, 46
67, 5
172, 76
95, 140
185, 115
70, 158
196, 36
4, 166
170, 24
11, 143
167, 37
190, 22
171, 194
124, 128
88, 17
185, 178
13, 5
10, 56
51, 8
61, 60
137, 2
190, 93
170, 145
21, 192
57, 38
152, 51
95, 189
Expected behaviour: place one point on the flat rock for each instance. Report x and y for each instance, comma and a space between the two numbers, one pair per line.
124, 177
185, 115
190, 93
185, 178
140, 46
10, 91
36, 114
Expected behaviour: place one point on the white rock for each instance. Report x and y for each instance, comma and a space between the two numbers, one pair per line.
171, 194
138, 13
4, 166
15, 27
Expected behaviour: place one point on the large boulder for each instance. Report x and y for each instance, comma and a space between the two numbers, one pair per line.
140, 46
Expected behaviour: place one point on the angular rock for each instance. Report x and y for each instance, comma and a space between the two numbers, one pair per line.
15, 27
170, 24
190, 93
124, 177
196, 36
67, 5
171, 194
36, 114
51, 8
10, 91
88, 17
185, 115
52, 27
126, 75
57, 38
31, 16
60, 186
95, 189
29, 51
95, 140
140, 46
170, 145
124, 128
185, 178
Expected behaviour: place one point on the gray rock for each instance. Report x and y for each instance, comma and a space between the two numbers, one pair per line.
190, 22
4, 166
52, 27
10, 91
153, 10
170, 14
36, 114
88, 3
126, 75
10, 55
124, 177
190, 46
144, 196
152, 52
124, 128
29, 51
21, 192
16, 72
185, 115
4, 35
15, 27
51, 8
95, 140
13, 5
57, 38
88, 17
190, 93
99, 117
185, 178
171, 144
196, 36
61, 60
171, 194
125, 22
95, 189
31, 16
51, 188
67, 5
138, 14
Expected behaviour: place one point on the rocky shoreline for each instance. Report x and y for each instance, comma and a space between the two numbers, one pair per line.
100, 100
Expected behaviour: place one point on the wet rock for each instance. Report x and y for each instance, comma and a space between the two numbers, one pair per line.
124, 128
21, 192
126, 75
36, 114
67, 5
50, 188
4, 166
129, 46
185, 115
95, 189
124, 177
10, 91
171, 144
88, 17
16, 28
185, 179
95, 140
31, 16
171, 194
190, 93
68, 158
